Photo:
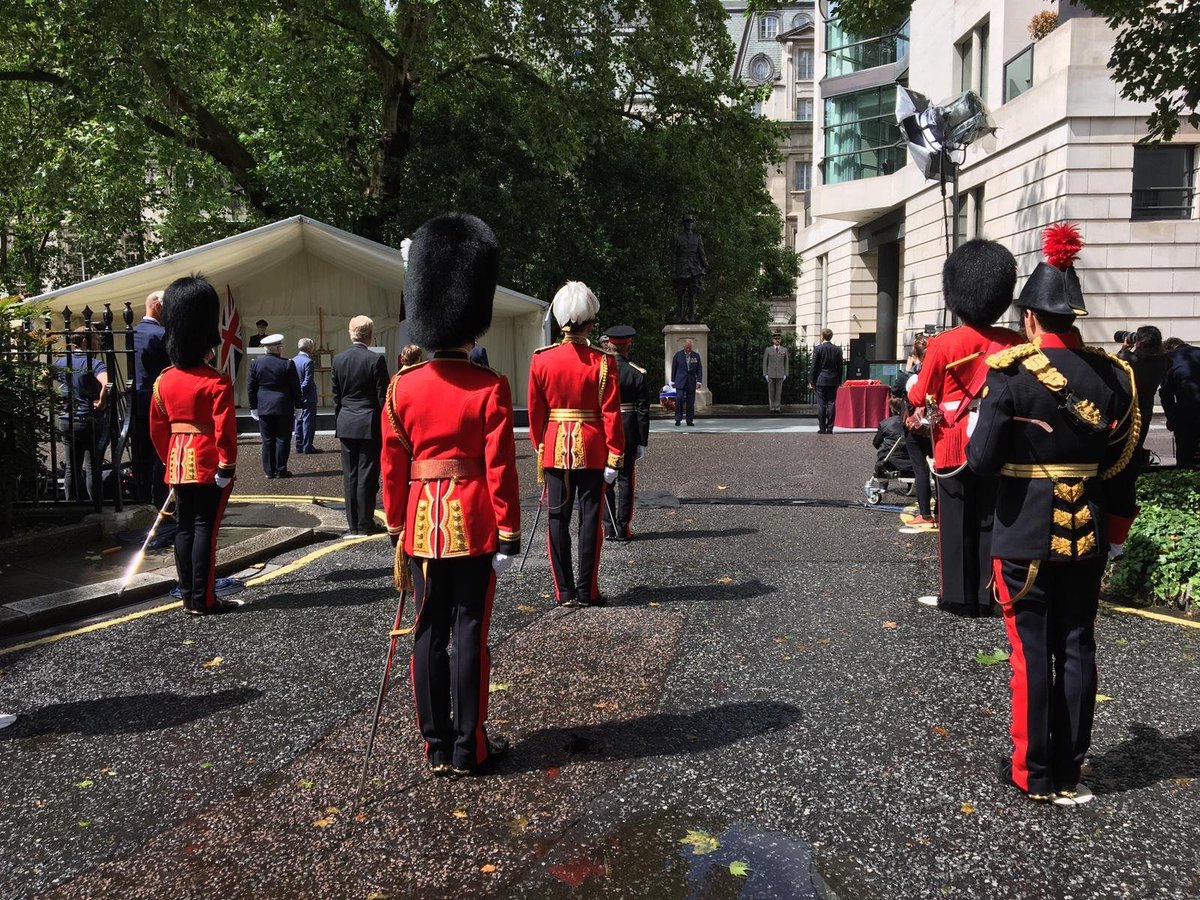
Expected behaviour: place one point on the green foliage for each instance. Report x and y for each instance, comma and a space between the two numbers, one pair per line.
1161, 563
25, 398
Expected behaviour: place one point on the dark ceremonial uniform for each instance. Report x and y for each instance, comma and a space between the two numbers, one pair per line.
1059, 425
635, 417
951, 379
450, 493
575, 426
273, 389
194, 429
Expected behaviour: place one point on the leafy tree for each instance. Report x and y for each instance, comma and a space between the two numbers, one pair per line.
1155, 58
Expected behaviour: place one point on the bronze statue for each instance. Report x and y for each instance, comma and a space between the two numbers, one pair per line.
688, 269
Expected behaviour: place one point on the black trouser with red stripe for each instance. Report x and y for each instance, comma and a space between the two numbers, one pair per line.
619, 495
453, 599
198, 510
966, 505
563, 488
1052, 632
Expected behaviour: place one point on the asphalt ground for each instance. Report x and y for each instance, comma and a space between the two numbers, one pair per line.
762, 693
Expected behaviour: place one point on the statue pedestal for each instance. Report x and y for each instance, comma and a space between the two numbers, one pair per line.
673, 338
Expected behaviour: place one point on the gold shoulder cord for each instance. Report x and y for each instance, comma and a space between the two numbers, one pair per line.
401, 575
390, 408
1134, 415
158, 400
1002, 359
603, 377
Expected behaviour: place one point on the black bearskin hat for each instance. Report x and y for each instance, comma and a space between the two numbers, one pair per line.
1054, 286
453, 264
192, 317
978, 281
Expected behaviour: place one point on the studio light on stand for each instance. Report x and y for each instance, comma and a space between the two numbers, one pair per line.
938, 137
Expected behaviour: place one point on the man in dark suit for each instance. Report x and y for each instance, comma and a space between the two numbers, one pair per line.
307, 419
149, 359
256, 339
273, 390
635, 416
360, 382
1180, 394
824, 379
687, 374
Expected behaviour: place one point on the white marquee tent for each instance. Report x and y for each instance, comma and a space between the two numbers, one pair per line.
307, 279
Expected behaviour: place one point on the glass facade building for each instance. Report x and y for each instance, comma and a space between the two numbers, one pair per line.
862, 139
846, 53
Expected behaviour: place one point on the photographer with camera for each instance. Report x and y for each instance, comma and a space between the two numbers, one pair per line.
1180, 393
1143, 350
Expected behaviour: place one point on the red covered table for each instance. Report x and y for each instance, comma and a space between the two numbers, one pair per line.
861, 406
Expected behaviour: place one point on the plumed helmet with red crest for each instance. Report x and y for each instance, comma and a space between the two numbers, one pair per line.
1054, 285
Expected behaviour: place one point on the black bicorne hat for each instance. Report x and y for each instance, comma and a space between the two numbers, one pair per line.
192, 317
1054, 286
450, 283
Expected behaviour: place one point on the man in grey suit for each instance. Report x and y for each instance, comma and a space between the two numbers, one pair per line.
775, 370
360, 381
306, 419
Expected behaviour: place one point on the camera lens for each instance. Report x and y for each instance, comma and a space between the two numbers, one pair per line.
1122, 336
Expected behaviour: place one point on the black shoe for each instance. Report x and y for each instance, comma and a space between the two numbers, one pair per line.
222, 606
284, 474
690, 424
573, 603
497, 747
1004, 774
271, 477
610, 535
677, 424
598, 600
439, 766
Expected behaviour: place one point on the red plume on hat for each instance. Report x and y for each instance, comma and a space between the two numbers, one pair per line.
1061, 244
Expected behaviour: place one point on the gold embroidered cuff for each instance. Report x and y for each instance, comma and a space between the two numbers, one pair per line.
508, 535
395, 529
614, 461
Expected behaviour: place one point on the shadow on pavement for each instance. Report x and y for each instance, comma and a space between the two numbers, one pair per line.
320, 597
358, 574
642, 595
657, 734
1144, 759
130, 714
698, 534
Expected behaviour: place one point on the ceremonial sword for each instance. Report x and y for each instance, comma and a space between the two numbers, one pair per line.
537, 518
137, 560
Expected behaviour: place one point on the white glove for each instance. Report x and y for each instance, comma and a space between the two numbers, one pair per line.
610, 474
1115, 550
501, 563
223, 481
254, 414
641, 453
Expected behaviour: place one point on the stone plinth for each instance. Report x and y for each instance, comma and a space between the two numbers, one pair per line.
673, 338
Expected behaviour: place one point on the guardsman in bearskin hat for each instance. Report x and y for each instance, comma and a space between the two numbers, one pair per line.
575, 426
635, 416
978, 281
450, 491
1059, 424
194, 429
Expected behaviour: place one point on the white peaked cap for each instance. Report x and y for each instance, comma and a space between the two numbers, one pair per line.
574, 303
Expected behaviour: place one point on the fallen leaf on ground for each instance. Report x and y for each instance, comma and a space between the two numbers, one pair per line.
518, 825
990, 659
376, 895
188, 642
701, 842
967, 809
724, 579
1121, 642
940, 731
544, 595
498, 686
459, 813
823, 641
331, 810
84, 784
522, 607
1102, 698
652, 603
323, 823
84, 824
552, 772
305, 783
213, 663
488, 869
206, 765
890, 625
576, 872
604, 704
722, 487
739, 868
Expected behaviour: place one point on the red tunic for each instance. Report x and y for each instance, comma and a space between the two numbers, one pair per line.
449, 461
193, 424
575, 407
953, 373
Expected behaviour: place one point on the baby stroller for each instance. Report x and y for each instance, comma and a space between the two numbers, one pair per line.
892, 463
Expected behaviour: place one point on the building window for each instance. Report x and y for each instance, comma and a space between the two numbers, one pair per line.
802, 176
965, 62
757, 109
800, 20
861, 137
761, 68
804, 109
846, 53
1163, 182
820, 290
970, 214
804, 64
768, 28
972, 52
1018, 74
985, 33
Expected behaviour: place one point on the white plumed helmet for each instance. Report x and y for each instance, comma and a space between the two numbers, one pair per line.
574, 304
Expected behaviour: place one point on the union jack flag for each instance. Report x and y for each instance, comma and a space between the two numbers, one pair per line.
229, 356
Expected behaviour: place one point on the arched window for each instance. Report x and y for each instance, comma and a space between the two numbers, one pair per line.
800, 20
768, 28
762, 69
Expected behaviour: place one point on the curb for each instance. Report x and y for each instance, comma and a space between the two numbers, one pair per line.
48, 610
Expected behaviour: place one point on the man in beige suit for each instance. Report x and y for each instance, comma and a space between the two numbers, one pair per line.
775, 370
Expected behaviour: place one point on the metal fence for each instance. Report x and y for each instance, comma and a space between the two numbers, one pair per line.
81, 454
735, 375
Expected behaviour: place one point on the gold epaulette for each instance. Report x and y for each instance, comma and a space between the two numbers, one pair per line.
547, 347
1010, 356
404, 370
488, 369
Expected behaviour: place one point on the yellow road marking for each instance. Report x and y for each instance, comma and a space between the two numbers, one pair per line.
1150, 614
310, 557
